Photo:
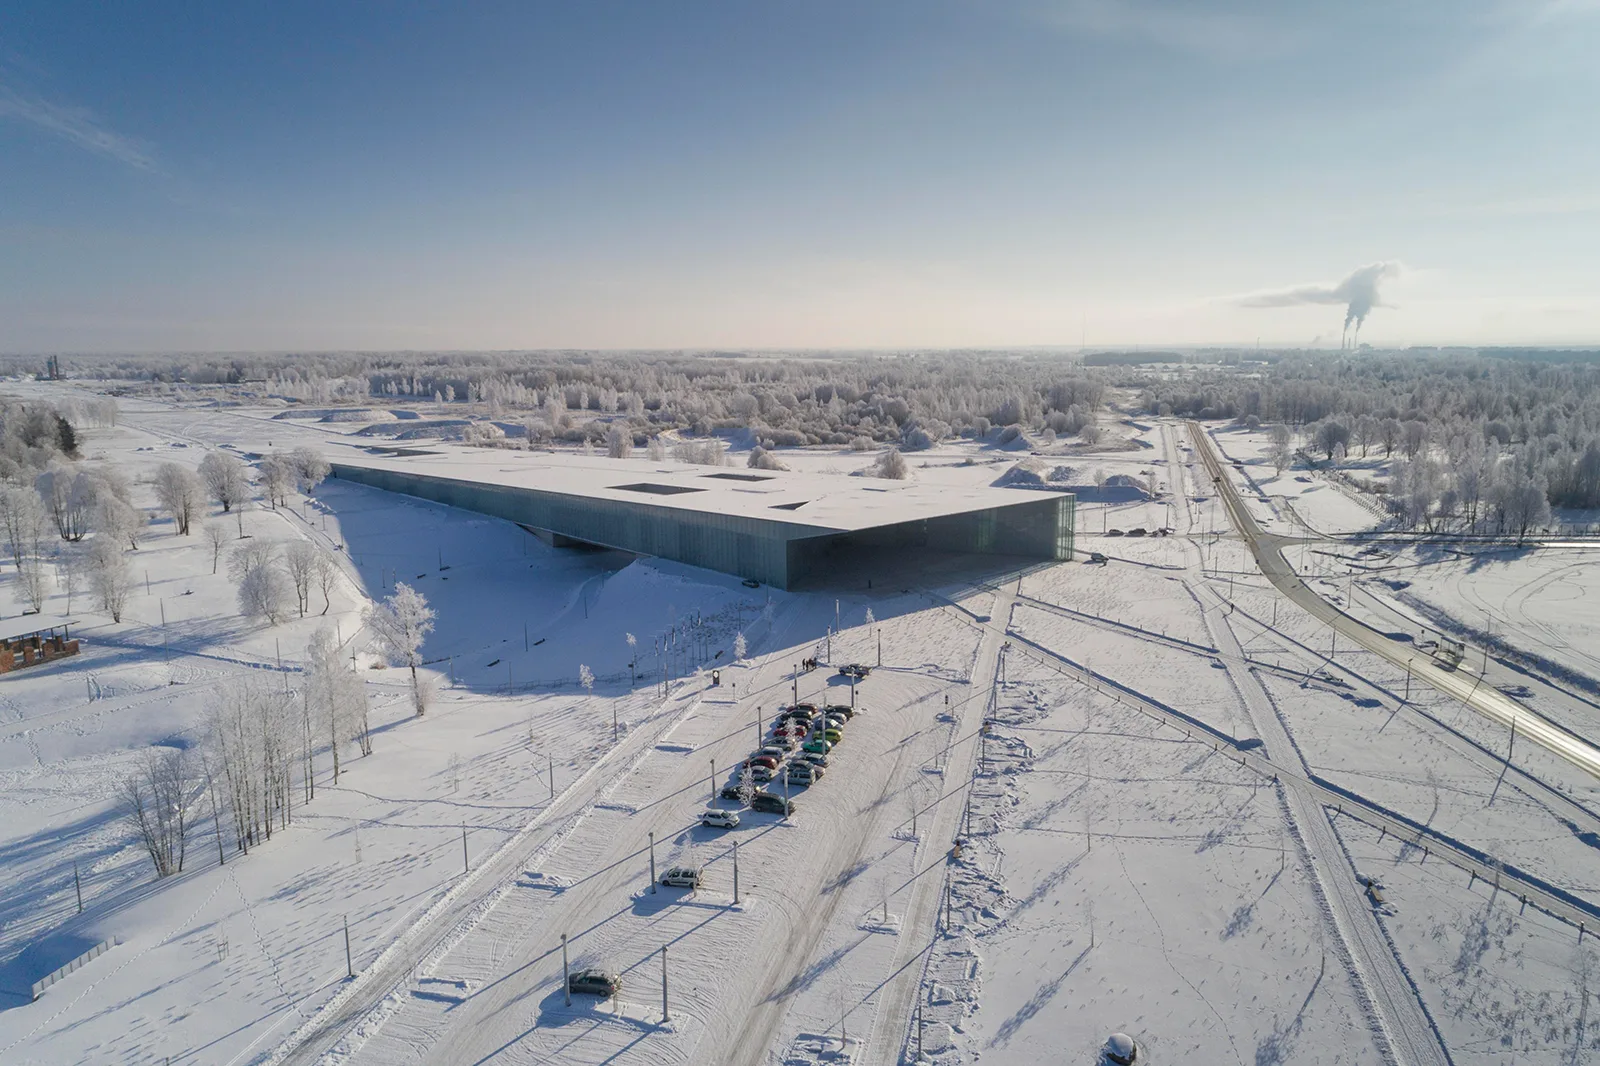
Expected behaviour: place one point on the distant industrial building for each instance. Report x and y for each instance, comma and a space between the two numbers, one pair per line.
777, 527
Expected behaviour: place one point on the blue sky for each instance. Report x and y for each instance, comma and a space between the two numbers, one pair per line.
313, 176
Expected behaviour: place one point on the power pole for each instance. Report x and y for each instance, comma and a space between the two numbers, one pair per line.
550, 763
566, 980
78, 885
349, 968
713, 780
652, 862
466, 867
735, 872
665, 1017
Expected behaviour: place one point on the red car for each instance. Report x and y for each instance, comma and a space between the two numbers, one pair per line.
787, 730
761, 760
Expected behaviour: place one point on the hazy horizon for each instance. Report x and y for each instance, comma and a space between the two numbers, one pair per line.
1083, 173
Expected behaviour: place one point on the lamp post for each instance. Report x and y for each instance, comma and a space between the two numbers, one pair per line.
652, 862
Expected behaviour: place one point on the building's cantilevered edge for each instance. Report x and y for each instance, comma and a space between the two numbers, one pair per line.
736, 540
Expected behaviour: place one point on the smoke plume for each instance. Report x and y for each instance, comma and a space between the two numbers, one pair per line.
1358, 293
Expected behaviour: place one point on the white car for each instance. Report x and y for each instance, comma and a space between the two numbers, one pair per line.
719, 819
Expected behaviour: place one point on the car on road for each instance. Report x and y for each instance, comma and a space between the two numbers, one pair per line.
682, 877
594, 983
719, 819
1113, 532
855, 670
818, 747
1098, 557
767, 801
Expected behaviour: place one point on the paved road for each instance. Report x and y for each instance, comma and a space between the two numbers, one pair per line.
1458, 684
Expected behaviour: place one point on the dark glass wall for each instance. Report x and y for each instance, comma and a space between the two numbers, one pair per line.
776, 552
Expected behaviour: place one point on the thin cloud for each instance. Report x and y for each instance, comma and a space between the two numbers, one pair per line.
77, 126
1179, 27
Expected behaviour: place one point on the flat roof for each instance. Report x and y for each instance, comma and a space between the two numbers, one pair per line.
829, 503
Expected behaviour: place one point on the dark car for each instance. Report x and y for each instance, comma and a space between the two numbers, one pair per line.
766, 801
1113, 532
732, 792
594, 983
839, 708
1137, 531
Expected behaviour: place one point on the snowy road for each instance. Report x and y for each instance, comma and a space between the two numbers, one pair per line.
1466, 687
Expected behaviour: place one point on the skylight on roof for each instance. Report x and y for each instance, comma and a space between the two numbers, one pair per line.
741, 477
657, 490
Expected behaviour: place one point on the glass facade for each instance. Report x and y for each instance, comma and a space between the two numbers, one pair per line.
768, 550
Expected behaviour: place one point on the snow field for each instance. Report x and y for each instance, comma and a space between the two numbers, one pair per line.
1188, 920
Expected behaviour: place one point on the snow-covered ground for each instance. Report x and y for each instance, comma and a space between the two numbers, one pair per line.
1112, 873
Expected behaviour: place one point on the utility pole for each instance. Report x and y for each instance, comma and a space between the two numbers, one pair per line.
652, 862
78, 885
466, 867
735, 872
665, 1017
566, 980
349, 968
550, 763
796, 682
713, 780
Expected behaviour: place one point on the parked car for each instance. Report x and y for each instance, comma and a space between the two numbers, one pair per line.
682, 877
761, 774
809, 708
1098, 557
832, 736
594, 983
719, 819
769, 761
819, 747
803, 773
767, 801
775, 752
1137, 531
835, 721
787, 730
815, 758
1113, 532
732, 792
855, 670
839, 708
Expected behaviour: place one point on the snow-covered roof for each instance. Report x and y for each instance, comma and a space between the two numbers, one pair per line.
828, 503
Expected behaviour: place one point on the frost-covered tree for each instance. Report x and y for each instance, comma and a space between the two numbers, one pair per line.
155, 802
181, 494
109, 575
335, 697
278, 477
24, 519
262, 588
401, 623
761, 459
891, 464
226, 479
300, 558
619, 442
216, 535
739, 647
1281, 444
310, 468
586, 679
35, 582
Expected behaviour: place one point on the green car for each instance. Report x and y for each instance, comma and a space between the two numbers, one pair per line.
833, 736
816, 747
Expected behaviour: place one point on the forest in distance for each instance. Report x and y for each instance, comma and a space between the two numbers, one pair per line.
1494, 442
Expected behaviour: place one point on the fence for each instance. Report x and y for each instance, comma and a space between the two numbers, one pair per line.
93, 953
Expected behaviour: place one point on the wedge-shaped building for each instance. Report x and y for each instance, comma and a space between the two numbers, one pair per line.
776, 527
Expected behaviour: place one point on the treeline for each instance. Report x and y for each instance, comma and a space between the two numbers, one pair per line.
912, 401
1474, 417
